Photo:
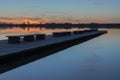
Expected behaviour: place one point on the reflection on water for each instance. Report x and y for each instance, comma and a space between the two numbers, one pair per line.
97, 59
5, 31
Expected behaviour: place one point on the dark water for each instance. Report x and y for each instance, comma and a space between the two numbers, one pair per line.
96, 59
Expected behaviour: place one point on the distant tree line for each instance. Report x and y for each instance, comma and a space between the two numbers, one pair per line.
63, 25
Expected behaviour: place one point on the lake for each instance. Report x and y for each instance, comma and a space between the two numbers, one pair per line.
5, 31
96, 59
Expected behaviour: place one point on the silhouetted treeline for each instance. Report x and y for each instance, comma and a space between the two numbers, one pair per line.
63, 25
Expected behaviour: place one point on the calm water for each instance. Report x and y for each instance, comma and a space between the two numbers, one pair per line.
28, 30
96, 59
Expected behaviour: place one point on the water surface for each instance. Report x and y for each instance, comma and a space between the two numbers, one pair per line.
96, 59
7, 31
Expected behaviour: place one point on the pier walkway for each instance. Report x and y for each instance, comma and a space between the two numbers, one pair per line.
7, 49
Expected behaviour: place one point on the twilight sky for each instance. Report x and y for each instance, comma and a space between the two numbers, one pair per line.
75, 11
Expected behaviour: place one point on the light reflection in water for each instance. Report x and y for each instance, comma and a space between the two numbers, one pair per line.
97, 59
29, 30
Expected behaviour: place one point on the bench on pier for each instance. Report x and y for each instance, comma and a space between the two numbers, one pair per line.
40, 36
60, 34
30, 37
13, 39
78, 32
90, 30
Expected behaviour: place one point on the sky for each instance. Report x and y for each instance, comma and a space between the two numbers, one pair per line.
60, 11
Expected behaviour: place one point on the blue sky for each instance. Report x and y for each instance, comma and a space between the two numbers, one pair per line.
66, 10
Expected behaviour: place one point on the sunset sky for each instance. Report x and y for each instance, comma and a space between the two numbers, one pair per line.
60, 11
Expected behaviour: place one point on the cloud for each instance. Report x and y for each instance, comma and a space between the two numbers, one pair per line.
29, 18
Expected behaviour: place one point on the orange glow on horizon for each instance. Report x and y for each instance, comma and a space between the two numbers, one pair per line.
32, 20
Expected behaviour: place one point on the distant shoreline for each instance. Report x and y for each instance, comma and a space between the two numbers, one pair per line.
64, 25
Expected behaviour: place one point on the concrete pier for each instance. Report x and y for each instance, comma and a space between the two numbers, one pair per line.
15, 55
10, 51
